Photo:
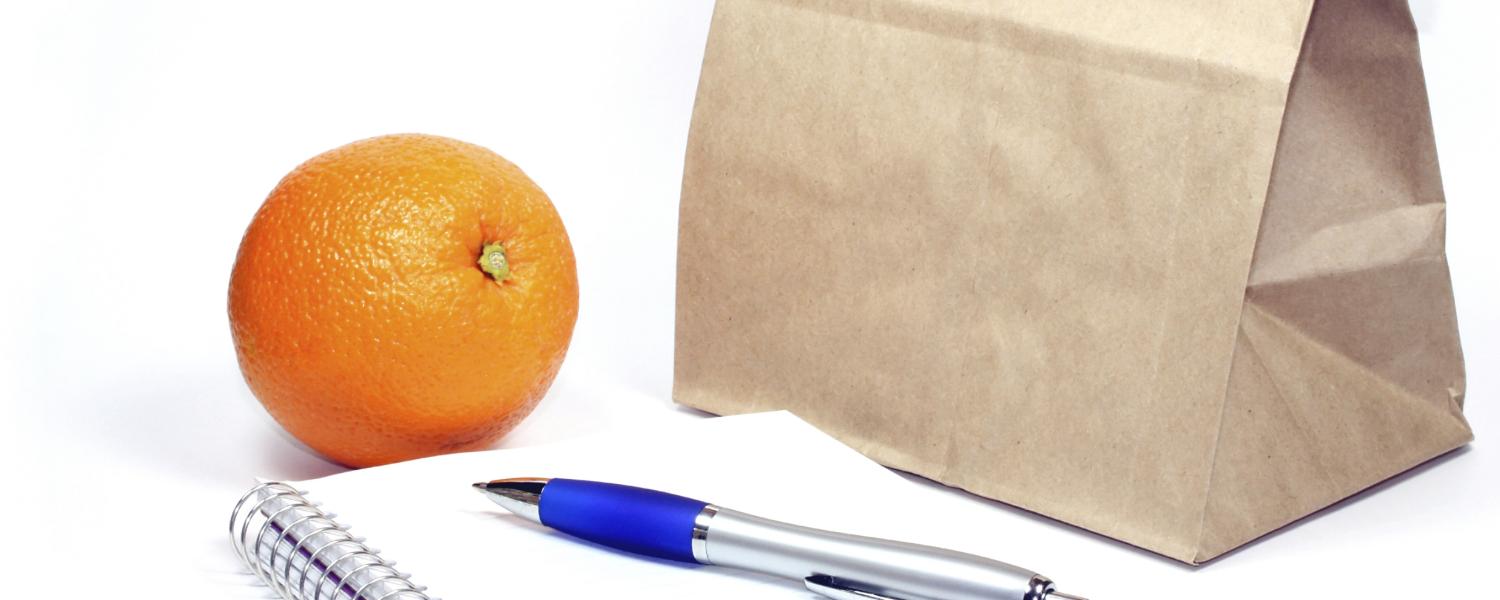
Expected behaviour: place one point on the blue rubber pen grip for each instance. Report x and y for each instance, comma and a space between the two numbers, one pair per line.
622, 517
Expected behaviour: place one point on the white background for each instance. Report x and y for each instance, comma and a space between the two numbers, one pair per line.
136, 141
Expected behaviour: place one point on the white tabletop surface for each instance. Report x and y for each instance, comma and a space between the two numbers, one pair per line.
137, 139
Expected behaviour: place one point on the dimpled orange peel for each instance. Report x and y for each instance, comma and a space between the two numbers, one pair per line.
403, 296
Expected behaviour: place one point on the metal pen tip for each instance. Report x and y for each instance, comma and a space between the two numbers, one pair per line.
1062, 596
522, 495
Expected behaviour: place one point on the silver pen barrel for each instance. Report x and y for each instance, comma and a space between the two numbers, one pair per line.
863, 566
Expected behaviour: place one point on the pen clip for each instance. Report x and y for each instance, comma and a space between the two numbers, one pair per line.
829, 587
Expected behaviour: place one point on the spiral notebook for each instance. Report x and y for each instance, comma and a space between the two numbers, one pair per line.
417, 531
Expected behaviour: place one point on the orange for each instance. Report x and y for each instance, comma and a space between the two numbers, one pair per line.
402, 296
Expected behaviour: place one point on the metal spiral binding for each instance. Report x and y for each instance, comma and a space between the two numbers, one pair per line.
303, 553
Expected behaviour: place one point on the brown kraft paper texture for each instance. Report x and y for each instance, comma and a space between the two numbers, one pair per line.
1169, 271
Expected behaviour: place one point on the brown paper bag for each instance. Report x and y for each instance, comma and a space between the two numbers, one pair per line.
1169, 271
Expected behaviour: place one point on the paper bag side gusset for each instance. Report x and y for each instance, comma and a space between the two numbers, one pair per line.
1347, 369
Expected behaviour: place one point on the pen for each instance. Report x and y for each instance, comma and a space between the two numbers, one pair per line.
835, 565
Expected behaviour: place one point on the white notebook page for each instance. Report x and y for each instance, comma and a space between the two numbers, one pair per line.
424, 514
